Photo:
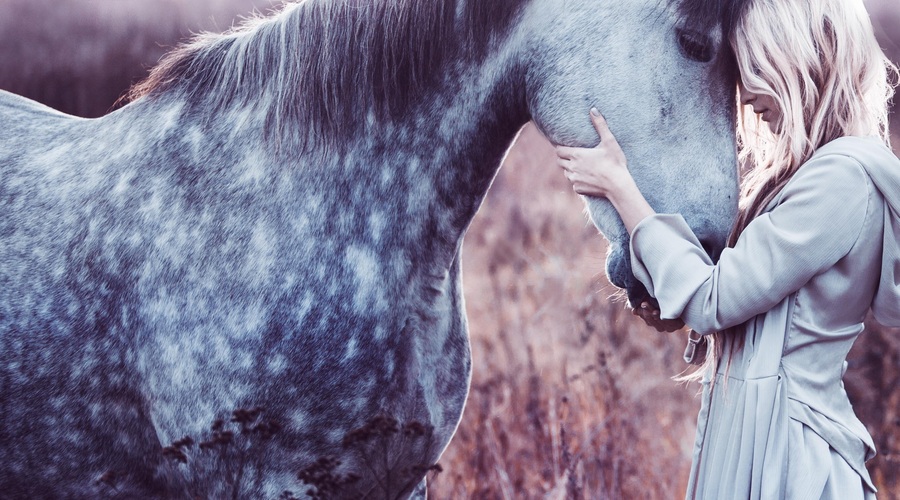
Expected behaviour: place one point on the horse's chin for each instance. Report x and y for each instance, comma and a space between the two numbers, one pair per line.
618, 270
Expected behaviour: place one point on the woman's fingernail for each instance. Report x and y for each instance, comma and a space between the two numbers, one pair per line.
595, 112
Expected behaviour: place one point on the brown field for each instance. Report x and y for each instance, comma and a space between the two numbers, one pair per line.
571, 396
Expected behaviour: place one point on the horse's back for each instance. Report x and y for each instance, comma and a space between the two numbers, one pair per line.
26, 127
19, 112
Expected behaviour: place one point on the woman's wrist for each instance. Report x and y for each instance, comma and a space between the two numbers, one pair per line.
630, 203
622, 190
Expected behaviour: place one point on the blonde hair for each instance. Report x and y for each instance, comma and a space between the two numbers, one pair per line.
819, 60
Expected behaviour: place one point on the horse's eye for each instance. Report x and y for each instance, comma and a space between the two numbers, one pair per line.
696, 46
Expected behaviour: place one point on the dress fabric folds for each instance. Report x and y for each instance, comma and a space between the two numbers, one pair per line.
748, 445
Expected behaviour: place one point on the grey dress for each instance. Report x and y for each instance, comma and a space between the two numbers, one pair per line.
776, 422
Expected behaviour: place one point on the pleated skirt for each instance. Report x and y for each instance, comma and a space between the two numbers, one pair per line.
748, 447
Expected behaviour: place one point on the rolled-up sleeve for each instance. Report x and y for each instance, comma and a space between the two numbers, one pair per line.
816, 223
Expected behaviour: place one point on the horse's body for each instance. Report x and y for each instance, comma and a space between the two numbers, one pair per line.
192, 254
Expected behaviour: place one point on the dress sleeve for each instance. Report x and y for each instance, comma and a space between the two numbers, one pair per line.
817, 222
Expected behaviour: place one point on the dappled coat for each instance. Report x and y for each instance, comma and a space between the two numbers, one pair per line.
775, 422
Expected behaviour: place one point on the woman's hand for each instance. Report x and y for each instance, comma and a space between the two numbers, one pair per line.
650, 314
601, 171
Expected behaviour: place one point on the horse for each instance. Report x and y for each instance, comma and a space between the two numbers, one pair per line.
245, 282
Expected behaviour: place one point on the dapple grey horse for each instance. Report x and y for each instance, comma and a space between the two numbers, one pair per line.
246, 282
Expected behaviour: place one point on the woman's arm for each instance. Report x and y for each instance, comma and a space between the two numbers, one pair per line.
817, 221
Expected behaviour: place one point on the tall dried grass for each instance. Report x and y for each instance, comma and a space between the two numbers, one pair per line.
571, 395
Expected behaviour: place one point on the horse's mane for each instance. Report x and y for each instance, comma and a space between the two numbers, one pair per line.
318, 62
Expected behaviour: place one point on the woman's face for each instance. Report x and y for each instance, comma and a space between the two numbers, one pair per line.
763, 105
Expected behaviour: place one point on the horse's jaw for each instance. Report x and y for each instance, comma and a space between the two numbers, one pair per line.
618, 259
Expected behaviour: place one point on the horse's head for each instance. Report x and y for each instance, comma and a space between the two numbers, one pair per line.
662, 76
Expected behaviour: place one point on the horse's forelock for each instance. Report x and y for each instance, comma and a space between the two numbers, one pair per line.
703, 15
317, 61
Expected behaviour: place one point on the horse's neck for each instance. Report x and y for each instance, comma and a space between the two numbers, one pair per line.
423, 175
450, 148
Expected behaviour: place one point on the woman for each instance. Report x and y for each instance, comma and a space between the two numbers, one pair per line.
815, 246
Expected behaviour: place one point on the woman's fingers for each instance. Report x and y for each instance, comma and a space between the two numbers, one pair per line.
652, 319
602, 129
566, 152
646, 306
601, 126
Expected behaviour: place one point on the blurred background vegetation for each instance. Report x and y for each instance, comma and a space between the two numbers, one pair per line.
571, 396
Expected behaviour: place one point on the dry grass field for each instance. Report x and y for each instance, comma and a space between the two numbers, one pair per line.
571, 396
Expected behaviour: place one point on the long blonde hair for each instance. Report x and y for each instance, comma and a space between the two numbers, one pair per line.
821, 63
